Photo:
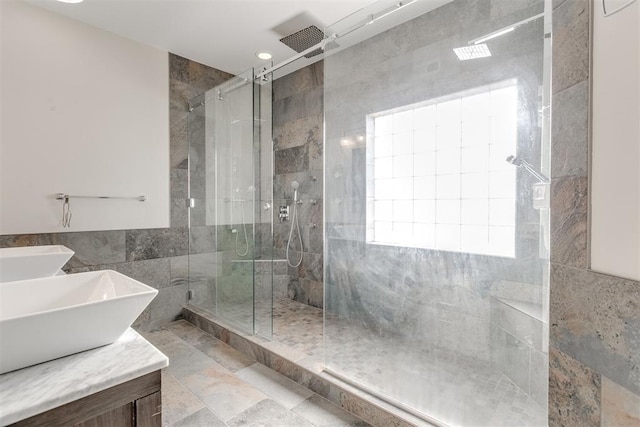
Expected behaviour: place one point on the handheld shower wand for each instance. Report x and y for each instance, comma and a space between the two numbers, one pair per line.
243, 222
295, 185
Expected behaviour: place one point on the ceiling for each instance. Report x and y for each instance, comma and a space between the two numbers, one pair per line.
224, 34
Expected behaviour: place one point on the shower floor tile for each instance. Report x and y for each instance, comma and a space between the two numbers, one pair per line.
457, 390
298, 326
209, 383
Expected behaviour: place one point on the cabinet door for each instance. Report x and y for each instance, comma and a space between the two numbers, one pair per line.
149, 411
122, 416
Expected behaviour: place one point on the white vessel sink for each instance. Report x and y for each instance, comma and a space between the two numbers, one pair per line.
48, 318
32, 262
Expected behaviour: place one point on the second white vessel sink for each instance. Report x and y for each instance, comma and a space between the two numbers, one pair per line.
44, 319
32, 262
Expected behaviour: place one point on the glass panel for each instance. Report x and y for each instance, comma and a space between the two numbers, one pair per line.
201, 265
436, 269
231, 107
222, 184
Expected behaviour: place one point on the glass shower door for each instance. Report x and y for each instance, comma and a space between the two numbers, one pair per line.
436, 220
224, 193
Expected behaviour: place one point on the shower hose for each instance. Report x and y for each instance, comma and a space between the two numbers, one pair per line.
246, 236
296, 224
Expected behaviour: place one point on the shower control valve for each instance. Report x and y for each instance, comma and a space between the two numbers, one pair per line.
283, 213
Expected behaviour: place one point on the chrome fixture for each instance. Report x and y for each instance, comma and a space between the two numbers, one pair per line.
62, 196
305, 38
504, 30
283, 213
66, 204
66, 213
529, 168
295, 186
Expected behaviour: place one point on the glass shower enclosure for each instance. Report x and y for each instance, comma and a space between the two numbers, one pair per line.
436, 208
230, 236
436, 211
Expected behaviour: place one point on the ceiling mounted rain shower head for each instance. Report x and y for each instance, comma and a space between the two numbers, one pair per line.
472, 52
304, 39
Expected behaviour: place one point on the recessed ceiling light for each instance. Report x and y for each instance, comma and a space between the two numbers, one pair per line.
264, 55
70, 1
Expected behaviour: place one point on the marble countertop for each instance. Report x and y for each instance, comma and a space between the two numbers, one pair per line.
36, 389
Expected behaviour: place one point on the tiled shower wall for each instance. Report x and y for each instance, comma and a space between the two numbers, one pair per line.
442, 301
187, 79
157, 257
594, 355
298, 142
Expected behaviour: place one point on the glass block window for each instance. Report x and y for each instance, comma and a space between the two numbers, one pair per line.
438, 176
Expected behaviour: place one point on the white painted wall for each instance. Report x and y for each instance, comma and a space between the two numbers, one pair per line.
83, 112
615, 176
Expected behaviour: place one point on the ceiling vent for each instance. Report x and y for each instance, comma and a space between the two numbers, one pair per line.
304, 39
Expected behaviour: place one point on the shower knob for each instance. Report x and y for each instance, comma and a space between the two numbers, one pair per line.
266, 206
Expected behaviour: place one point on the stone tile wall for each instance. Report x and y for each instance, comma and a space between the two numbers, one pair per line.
187, 79
594, 356
157, 257
434, 298
298, 151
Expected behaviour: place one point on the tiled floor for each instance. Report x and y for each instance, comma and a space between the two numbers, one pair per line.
208, 383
